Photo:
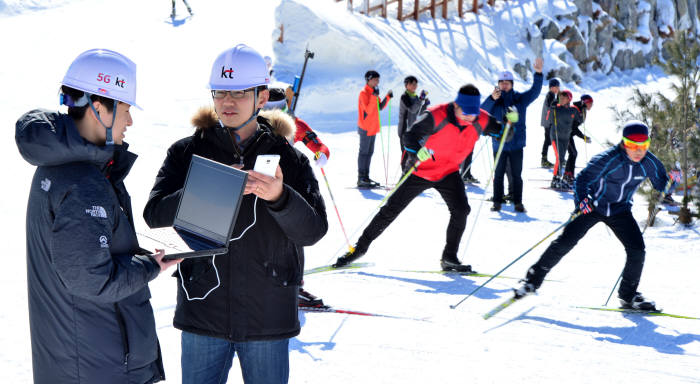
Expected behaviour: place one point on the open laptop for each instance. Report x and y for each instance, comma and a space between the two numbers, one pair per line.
206, 213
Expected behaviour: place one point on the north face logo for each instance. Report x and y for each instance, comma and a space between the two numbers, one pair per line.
96, 211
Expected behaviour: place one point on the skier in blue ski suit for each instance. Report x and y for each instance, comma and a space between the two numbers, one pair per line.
603, 192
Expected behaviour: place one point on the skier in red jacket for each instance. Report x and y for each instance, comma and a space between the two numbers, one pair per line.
449, 132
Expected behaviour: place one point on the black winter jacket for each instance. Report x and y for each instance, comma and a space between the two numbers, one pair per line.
260, 275
89, 312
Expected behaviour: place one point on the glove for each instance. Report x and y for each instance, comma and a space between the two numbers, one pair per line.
375, 92
587, 139
424, 154
321, 159
390, 93
423, 94
512, 114
585, 206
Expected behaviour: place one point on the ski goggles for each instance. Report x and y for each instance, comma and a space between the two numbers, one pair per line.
635, 145
220, 94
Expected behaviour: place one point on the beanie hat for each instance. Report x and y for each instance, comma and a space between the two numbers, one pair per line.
554, 82
469, 100
587, 99
635, 130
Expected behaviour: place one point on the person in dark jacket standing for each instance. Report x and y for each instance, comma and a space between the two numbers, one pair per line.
549, 100
562, 118
243, 302
603, 193
498, 104
582, 107
90, 317
411, 105
440, 139
368, 125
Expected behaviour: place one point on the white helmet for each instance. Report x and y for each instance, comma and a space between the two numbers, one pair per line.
104, 73
505, 75
237, 69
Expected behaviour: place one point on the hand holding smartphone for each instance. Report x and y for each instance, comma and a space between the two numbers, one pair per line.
267, 164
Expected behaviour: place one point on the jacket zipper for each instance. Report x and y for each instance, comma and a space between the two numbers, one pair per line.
122, 331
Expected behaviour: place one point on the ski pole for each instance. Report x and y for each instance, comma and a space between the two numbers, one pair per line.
465, 170
388, 146
488, 182
391, 192
571, 218
381, 136
646, 225
585, 142
350, 247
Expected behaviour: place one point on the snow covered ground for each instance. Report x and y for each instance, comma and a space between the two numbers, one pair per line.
544, 338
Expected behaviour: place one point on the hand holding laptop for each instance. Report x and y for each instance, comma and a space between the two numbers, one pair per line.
164, 264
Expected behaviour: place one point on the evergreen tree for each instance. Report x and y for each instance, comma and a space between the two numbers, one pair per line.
673, 121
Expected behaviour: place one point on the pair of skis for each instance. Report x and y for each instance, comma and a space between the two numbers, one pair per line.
510, 301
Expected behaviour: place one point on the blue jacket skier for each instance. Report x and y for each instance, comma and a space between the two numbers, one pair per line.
603, 193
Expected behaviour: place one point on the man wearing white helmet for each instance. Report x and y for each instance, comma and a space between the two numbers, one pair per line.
243, 302
89, 313
503, 99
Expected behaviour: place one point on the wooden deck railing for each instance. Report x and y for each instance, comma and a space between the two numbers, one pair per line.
381, 7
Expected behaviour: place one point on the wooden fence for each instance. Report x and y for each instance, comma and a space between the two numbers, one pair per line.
402, 14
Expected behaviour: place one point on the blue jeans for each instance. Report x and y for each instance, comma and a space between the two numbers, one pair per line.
207, 360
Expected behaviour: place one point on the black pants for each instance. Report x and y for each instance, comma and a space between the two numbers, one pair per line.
364, 155
560, 142
451, 188
571, 160
625, 229
547, 143
515, 181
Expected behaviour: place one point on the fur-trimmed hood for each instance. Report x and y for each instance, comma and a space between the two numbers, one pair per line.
281, 123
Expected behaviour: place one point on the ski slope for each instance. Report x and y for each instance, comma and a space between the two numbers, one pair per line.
543, 338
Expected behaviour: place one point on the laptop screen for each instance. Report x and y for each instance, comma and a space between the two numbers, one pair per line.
210, 199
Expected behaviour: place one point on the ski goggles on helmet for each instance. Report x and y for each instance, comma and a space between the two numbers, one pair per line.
635, 145
220, 94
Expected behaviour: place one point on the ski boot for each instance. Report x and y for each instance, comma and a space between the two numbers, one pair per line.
519, 207
545, 163
638, 302
470, 179
668, 200
556, 183
451, 263
524, 290
496, 207
308, 300
350, 256
568, 178
366, 182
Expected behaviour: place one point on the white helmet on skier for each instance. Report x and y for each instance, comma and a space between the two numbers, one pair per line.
104, 73
505, 75
237, 69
